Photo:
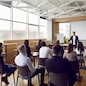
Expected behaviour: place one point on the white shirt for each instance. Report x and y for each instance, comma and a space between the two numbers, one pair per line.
23, 60
45, 52
74, 37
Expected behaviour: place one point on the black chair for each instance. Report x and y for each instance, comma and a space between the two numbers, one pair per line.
58, 79
81, 61
2, 73
41, 62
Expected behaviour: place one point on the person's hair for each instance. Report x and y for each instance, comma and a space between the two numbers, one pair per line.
43, 43
20, 47
80, 47
0, 44
39, 42
70, 48
57, 42
57, 49
26, 42
73, 31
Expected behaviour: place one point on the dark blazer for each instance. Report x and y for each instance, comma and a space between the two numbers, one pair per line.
2, 62
28, 50
60, 65
76, 39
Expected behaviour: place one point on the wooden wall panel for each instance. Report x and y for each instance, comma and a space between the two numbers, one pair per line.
79, 18
55, 30
11, 48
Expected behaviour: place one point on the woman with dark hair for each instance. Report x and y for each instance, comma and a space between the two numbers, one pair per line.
26, 43
80, 48
39, 45
71, 54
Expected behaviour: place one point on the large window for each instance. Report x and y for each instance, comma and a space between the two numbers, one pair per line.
33, 32
4, 30
19, 30
4, 12
17, 23
43, 22
33, 19
19, 15
43, 32
64, 28
43, 28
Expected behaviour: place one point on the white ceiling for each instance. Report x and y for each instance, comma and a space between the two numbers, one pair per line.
52, 8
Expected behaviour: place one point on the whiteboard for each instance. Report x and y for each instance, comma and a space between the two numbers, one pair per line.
60, 37
80, 28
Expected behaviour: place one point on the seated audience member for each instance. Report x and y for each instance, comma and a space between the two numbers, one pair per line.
22, 60
28, 50
44, 53
39, 45
80, 48
62, 49
57, 64
6, 68
71, 54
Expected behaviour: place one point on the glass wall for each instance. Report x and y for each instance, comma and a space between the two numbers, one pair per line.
33, 32
16, 23
4, 30
19, 30
64, 28
4, 12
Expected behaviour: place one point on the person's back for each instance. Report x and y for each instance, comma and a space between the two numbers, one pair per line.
71, 54
44, 51
58, 44
57, 64
26, 43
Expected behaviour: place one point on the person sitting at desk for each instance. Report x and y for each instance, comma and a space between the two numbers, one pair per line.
22, 60
6, 68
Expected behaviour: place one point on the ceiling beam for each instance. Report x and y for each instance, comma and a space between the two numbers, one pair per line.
66, 3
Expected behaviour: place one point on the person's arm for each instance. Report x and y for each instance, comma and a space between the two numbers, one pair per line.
70, 38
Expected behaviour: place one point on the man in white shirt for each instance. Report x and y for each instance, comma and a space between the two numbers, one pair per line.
74, 40
44, 53
22, 60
